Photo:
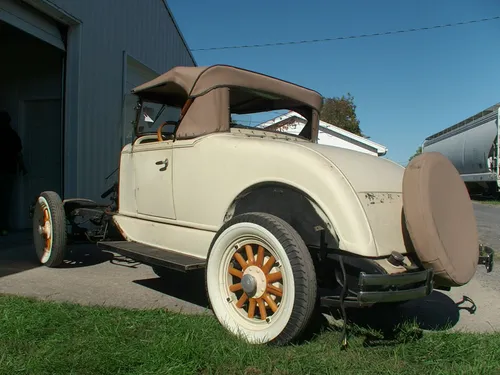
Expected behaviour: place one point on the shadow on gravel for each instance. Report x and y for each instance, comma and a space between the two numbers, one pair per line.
485, 198
391, 324
17, 253
436, 312
186, 286
85, 255
16, 260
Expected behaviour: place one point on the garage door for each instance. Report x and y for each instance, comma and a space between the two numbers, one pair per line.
31, 21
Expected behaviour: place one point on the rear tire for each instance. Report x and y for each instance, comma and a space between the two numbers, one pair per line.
253, 296
49, 229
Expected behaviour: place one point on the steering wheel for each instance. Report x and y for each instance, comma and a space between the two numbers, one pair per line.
161, 137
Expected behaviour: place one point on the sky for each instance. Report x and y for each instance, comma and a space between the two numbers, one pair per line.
405, 86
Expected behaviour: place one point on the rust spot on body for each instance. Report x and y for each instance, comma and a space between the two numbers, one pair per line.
381, 198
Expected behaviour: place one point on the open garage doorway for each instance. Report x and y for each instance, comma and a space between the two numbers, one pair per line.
31, 90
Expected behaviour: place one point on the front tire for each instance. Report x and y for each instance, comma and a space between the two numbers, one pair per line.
49, 229
260, 279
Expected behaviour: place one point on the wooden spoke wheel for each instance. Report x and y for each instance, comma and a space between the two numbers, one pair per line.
49, 229
256, 281
260, 279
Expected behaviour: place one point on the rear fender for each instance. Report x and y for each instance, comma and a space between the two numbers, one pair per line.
290, 204
346, 227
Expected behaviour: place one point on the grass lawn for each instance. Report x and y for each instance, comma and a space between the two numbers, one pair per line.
53, 338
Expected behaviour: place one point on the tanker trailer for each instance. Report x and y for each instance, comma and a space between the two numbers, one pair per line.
472, 146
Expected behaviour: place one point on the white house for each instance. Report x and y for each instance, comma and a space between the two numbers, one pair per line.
330, 135
66, 69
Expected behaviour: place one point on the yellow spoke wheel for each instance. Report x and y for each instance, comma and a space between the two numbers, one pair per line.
259, 291
260, 279
49, 229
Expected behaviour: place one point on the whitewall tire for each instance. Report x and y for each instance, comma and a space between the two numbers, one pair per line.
49, 229
260, 279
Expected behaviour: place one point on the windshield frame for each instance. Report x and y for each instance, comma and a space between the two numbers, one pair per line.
140, 105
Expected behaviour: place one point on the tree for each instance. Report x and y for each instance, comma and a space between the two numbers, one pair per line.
341, 112
419, 151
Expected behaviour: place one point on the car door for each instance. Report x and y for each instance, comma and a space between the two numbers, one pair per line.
153, 179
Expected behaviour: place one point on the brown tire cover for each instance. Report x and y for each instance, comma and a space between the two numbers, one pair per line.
440, 219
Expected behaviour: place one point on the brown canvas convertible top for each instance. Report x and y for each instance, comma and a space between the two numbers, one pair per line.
190, 82
209, 94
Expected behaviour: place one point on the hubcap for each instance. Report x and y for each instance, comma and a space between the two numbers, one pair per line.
249, 285
43, 230
256, 282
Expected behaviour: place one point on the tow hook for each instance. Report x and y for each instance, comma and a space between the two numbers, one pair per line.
486, 257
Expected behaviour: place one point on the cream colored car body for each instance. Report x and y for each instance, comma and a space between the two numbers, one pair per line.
175, 195
275, 220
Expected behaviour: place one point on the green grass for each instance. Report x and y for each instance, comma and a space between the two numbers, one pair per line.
53, 338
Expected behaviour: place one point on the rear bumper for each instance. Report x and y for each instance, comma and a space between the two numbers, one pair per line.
369, 284
373, 288
395, 287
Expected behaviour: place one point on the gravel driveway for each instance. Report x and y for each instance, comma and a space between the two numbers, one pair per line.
103, 278
488, 223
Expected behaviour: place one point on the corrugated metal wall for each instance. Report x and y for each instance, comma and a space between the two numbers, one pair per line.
145, 30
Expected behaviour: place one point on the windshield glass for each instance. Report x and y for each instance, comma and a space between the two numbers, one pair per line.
153, 115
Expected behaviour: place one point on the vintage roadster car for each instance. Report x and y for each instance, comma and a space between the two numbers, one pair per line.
280, 223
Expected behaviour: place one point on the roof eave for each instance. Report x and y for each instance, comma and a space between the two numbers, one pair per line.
351, 135
382, 150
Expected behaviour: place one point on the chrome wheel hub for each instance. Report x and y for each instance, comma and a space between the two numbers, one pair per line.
254, 282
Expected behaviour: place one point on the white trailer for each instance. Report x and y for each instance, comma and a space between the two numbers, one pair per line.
472, 146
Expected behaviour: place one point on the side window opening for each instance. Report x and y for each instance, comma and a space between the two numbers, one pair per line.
262, 111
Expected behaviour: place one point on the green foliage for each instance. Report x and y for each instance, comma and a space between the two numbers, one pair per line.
418, 152
60, 338
341, 112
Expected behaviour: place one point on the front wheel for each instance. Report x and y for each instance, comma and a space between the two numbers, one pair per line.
49, 229
260, 279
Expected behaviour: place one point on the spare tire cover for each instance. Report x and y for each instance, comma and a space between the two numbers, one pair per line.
440, 219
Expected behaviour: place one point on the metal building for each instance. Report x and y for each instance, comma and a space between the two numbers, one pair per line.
66, 70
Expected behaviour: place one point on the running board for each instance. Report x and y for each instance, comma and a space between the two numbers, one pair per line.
153, 256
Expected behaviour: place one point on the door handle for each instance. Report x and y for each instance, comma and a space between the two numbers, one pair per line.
164, 163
